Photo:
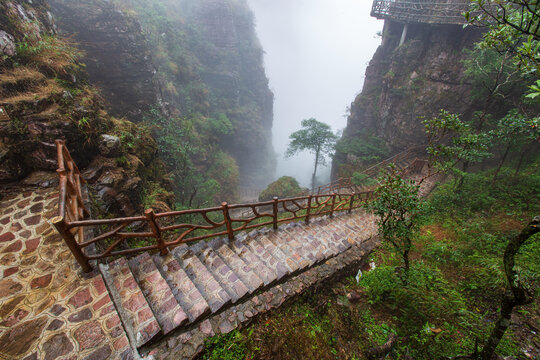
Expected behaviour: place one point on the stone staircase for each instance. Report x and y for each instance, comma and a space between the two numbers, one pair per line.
156, 295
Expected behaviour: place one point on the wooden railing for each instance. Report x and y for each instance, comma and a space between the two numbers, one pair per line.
71, 206
163, 231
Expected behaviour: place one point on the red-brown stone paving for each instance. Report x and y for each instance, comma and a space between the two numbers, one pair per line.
48, 309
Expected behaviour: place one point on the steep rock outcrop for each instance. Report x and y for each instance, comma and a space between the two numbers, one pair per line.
187, 57
45, 95
118, 60
405, 83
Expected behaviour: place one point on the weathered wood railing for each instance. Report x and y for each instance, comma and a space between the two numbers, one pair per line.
163, 231
71, 206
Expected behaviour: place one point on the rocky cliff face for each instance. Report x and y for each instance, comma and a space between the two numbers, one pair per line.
405, 83
46, 97
186, 57
117, 59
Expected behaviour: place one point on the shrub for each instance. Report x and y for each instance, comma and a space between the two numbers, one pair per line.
284, 187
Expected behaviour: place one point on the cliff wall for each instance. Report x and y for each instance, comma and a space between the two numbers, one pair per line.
189, 58
405, 84
44, 91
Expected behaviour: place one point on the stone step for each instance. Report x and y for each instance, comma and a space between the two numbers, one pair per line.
185, 292
315, 232
323, 251
221, 271
294, 235
338, 242
166, 309
139, 321
266, 274
296, 230
281, 248
240, 268
277, 265
293, 248
354, 231
213, 293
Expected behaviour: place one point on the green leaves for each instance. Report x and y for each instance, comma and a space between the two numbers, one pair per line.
451, 141
535, 90
316, 137
399, 208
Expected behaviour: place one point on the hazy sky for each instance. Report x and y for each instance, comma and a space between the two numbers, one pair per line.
316, 53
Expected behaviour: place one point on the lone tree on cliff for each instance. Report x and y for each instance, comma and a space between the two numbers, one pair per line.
315, 137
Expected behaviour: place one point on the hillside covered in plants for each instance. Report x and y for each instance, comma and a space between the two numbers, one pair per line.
191, 71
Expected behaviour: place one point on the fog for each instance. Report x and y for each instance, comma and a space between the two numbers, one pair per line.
316, 54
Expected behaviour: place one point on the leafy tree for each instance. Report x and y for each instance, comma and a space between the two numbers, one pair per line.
452, 141
399, 208
513, 26
317, 138
515, 130
284, 187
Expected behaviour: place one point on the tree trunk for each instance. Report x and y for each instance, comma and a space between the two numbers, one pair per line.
315, 170
521, 157
516, 294
502, 162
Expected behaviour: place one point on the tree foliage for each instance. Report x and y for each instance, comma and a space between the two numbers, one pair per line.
452, 141
284, 187
399, 209
315, 137
513, 26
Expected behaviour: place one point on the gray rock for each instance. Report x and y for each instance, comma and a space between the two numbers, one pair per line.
7, 44
109, 146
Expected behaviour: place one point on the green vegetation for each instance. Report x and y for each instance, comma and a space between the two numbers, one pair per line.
216, 92
362, 179
367, 150
456, 281
284, 187
201, 173
399, 209
315, 137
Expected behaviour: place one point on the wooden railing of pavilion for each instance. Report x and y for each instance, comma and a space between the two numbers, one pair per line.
163, 231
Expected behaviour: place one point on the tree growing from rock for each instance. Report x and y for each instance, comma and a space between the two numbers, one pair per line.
315, 137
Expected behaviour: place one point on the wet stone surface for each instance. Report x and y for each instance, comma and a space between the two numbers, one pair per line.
47, 307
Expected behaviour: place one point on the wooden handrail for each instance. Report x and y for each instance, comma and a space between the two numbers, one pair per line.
167, 230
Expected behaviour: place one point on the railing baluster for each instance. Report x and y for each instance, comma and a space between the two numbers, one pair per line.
228, 222
333, 204
275, 212
351, 203
60, 225
308, 209
151, 218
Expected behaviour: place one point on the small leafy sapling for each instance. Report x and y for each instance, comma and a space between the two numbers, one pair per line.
399, 209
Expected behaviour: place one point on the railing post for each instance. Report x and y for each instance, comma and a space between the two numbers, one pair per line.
275, 210
333, 204
228, 222
61, 226
351, 203
151, 218
308, 209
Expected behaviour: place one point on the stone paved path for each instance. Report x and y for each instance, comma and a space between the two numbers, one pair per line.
48, 310
133, 308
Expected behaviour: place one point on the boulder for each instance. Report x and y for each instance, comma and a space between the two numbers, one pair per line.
7, 44
109, 145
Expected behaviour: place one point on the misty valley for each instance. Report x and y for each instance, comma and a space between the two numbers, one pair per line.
269, 179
